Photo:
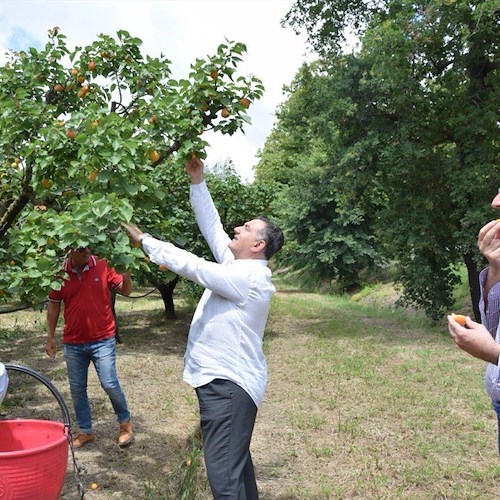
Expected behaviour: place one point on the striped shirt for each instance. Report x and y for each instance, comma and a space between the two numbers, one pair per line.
490, 319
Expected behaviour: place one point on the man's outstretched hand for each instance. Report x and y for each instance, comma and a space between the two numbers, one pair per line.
134, 233
194, 169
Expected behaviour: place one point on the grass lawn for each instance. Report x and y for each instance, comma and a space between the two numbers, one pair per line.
363, 401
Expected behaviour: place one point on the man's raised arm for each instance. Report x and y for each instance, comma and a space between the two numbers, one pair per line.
207, 216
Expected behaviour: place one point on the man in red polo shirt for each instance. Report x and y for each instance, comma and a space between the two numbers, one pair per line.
89, 336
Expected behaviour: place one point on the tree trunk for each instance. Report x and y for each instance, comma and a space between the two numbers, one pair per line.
473, 276
167, 294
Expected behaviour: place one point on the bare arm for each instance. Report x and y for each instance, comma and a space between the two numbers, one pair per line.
53, 311
125, 288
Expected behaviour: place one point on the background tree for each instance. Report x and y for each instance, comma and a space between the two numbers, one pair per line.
414, 150
325, 205
83, 132
236, 202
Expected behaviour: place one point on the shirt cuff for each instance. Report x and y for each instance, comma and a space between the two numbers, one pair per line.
198, 187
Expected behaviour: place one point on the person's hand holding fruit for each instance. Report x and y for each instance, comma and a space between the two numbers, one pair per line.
473, 338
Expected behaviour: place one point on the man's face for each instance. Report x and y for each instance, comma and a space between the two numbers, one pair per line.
246, 238
80, 257
496, 200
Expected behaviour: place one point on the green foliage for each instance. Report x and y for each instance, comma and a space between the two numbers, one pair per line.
322, 205
326, 21
328, 238
401, 137
95, 136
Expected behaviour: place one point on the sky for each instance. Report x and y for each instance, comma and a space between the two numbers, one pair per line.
182, 30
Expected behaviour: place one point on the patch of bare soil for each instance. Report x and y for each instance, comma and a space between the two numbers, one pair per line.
326, 428
164, 408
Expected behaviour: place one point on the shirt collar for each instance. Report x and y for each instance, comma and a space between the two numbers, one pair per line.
68, 266
262, 262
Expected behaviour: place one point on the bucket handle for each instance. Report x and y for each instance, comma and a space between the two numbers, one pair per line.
45, 381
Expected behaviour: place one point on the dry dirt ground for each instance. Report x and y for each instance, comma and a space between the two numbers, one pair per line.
314, 439
164, 408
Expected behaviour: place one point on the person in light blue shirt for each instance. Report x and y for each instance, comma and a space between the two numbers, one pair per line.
482, 340
224, 359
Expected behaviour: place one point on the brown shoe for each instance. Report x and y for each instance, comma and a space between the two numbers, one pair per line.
81, 438
126, 435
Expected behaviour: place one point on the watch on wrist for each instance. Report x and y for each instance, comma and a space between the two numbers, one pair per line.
143, 235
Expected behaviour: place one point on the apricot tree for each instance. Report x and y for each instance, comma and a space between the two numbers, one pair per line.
83, 133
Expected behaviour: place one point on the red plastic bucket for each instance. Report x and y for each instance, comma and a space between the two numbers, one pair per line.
33, 459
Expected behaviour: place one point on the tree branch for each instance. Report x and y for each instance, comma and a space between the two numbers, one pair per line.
11, 212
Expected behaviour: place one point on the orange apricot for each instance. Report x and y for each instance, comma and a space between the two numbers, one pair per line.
154, 156
93, 175
459, 318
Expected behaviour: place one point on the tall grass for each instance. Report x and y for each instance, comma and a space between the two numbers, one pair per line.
185, 482
373, 401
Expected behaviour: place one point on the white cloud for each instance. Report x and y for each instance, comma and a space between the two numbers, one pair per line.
182, 31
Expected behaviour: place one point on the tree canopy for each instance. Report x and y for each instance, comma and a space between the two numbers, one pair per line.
91, 137
395, 146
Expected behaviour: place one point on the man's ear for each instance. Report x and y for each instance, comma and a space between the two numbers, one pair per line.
258, 246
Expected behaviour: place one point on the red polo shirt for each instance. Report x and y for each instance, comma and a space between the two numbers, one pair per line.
88, 316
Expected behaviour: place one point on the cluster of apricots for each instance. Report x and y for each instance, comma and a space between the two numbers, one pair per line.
80, 78
16, 162
244, 101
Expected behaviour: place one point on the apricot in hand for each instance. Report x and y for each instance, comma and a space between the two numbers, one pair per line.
459, 318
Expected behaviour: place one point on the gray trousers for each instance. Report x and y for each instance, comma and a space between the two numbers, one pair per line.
227, 416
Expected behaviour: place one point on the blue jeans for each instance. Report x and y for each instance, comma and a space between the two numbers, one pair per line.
103, 356
496, 407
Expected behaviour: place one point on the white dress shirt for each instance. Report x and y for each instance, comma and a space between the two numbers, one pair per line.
225, 337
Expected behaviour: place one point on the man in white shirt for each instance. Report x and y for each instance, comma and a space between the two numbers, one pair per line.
224, 360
